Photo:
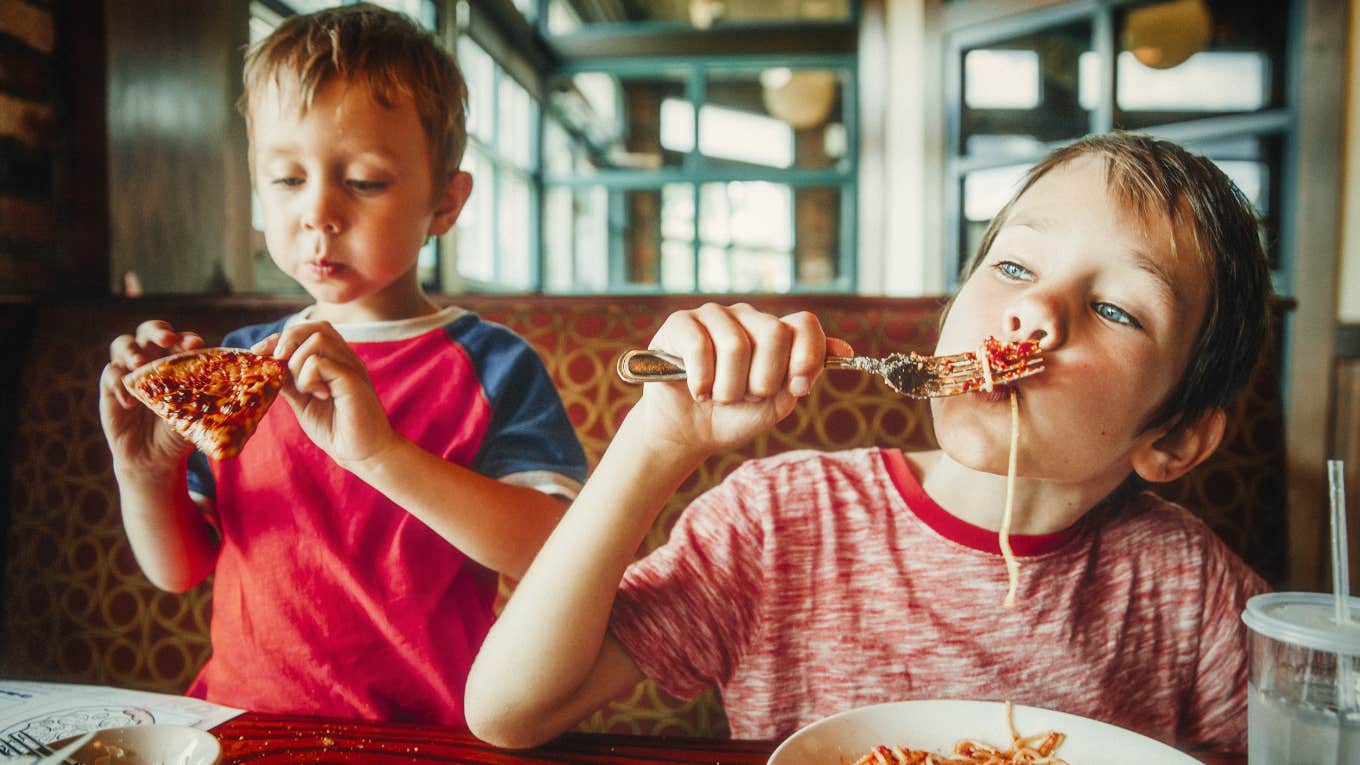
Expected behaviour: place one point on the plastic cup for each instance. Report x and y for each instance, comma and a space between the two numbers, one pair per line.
1303, 702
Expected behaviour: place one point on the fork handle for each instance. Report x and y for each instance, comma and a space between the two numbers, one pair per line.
643, 366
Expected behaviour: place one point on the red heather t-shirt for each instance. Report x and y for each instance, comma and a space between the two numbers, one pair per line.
812, 583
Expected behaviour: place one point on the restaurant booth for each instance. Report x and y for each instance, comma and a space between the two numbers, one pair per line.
78, 609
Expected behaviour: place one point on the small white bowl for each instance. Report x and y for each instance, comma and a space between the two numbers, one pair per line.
148, 745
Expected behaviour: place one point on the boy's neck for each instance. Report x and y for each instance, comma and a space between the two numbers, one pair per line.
374, 309
1039, 506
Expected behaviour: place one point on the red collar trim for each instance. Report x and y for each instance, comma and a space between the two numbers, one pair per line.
956, 529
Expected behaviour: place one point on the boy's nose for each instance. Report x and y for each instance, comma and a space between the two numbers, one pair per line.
1036, 320
323, 214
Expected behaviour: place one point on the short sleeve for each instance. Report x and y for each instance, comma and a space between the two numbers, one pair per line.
1218, 701
530, 440
201, 481
686, 612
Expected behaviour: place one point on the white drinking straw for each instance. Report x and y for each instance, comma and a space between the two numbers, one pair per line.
1341, 572
1341, 579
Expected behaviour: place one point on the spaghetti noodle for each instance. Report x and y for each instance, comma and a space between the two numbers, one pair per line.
1037, 749
1012, 565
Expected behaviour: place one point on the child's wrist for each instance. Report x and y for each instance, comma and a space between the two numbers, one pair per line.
149, 474
643, 438
377, 461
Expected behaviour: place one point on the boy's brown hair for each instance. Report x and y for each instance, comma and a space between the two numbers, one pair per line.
381, 49
1156, 176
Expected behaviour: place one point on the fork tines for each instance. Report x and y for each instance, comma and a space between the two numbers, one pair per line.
970, 375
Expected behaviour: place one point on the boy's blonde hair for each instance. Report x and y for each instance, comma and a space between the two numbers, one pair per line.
383, 50
1155, 176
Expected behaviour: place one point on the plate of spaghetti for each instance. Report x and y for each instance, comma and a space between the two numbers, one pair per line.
950, 732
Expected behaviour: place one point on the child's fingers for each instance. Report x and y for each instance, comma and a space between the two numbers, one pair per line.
302, 362
291, 340
125, 352
160, 333
807, 354
322, 358
266, 346
683, 335
111, 382
731, 352
771, 342
311, 377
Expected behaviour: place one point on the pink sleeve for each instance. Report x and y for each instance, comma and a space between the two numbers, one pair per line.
1218, 699
685, 613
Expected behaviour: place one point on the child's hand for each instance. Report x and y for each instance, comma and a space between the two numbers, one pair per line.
329, 391
745, 371
139, 440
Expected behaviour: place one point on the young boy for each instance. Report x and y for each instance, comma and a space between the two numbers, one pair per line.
356, 539
811, 583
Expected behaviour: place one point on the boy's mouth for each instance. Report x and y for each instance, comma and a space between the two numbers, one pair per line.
322, 269
999, 394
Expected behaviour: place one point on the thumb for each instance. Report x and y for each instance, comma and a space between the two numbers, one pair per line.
265, 347
838, 347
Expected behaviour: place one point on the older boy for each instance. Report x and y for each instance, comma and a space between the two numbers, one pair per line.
408, 428
808, 583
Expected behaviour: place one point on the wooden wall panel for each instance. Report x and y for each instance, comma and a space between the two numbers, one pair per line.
1346, 440
53, 201
27, 141
179, 200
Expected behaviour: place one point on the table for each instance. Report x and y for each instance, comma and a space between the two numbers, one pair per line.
266, 738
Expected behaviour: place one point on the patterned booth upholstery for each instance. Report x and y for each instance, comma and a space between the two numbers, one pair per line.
77, 609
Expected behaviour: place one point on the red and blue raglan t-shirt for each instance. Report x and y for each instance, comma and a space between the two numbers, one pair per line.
327, 597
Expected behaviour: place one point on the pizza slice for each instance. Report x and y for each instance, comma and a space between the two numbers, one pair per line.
215, 397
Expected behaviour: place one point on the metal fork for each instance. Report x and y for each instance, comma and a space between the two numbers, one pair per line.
910, 374
22, 742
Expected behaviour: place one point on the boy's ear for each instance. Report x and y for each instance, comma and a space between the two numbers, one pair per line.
1172, 453
450, 203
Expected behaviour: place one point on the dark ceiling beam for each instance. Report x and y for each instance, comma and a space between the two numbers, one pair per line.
615, 42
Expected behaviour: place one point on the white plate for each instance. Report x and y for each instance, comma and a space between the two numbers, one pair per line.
149, 745
936, 725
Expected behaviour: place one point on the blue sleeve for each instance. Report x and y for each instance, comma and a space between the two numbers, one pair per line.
529, 430
200, 473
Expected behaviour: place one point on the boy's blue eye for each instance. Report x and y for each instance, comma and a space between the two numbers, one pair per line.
359, 185
287, 181
1116, 314
1014, 271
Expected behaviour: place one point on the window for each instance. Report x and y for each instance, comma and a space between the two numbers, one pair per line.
1209, 74
494, 244
694, 175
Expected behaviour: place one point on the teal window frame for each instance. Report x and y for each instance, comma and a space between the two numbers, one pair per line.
503, 164
696, 173
1280, 122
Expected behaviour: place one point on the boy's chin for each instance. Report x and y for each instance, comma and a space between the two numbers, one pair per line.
978, 454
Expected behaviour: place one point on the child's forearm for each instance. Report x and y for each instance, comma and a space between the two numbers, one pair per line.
544, 664
170, 537
498, 524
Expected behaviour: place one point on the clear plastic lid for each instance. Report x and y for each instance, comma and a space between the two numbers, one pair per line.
1307, 619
